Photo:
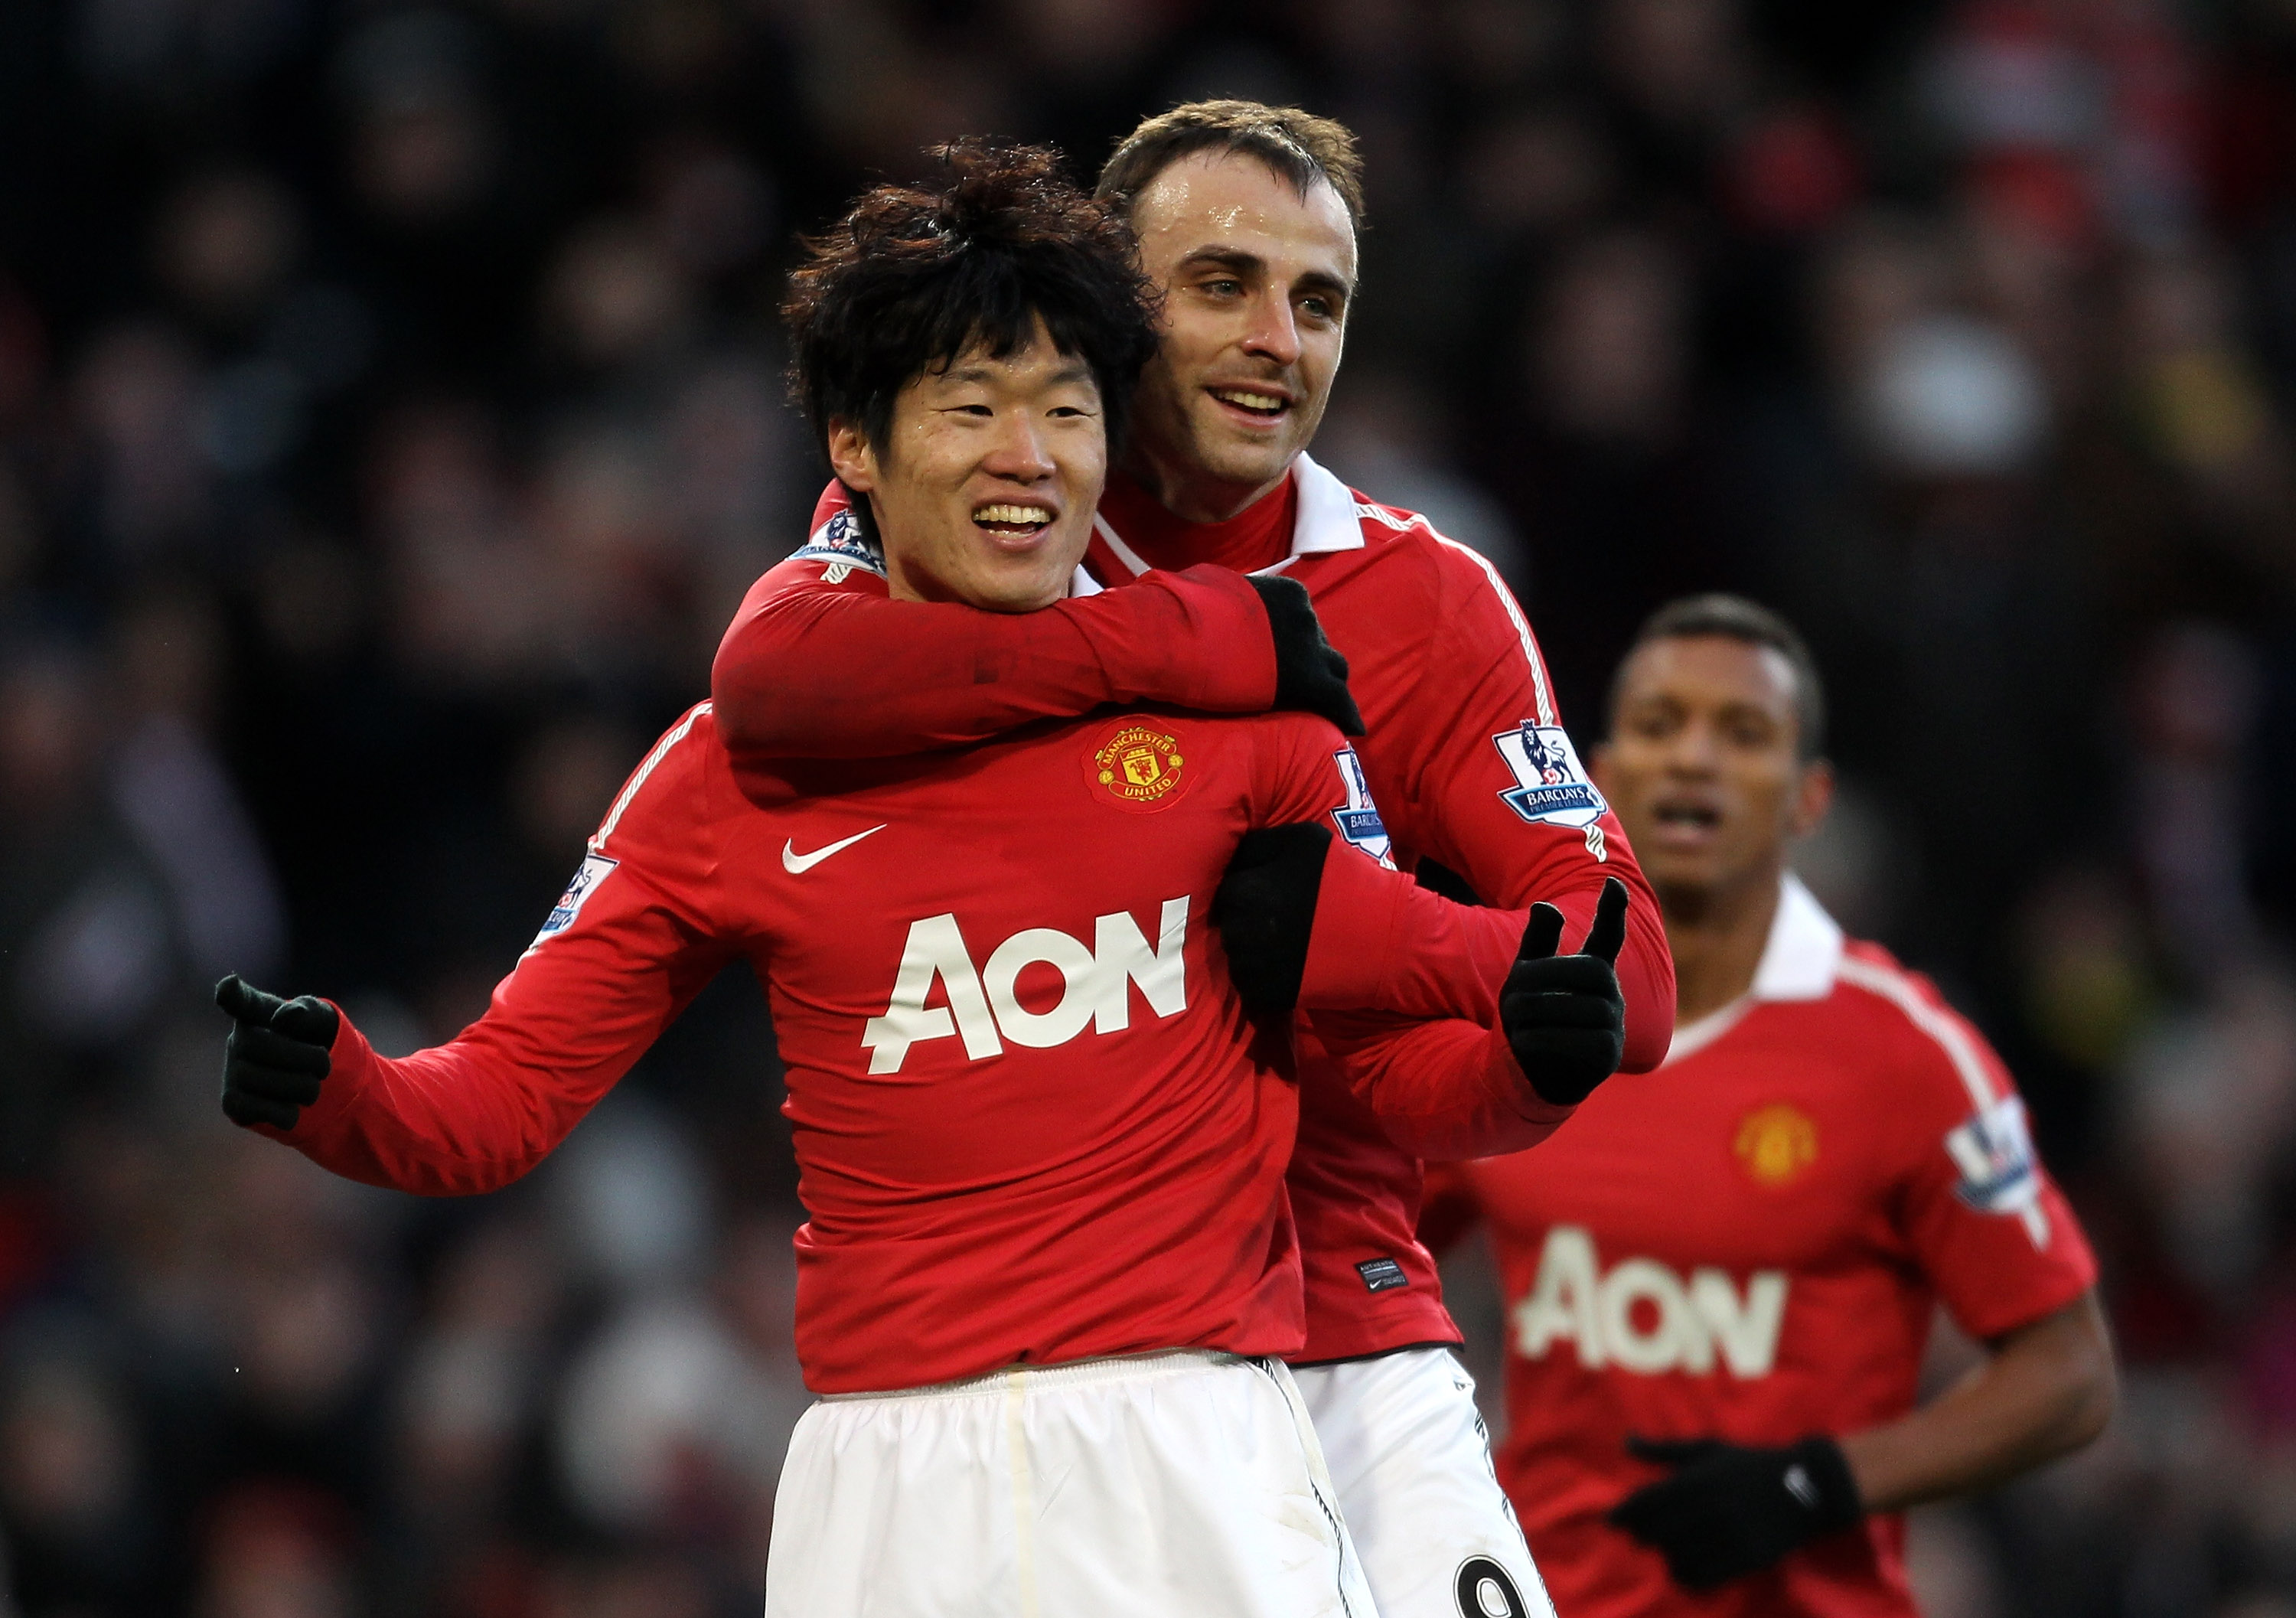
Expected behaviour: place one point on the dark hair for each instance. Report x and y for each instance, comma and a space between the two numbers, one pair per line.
913, 276
1735, 618
1299, 146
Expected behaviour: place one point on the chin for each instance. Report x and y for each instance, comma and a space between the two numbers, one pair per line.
1243, 461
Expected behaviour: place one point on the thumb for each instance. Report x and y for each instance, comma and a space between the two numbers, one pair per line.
1541, 933
243, 1002
1608, 931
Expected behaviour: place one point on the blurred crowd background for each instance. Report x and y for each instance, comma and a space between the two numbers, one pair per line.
390, 421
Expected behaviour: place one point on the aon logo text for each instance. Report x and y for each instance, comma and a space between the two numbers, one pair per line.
1095, 985
1641, 1316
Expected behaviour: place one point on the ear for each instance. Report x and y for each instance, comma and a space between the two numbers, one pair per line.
851, 457
1813, 797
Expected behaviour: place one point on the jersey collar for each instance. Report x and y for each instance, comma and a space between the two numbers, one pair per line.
1805, 949
1799, 961
1329, 520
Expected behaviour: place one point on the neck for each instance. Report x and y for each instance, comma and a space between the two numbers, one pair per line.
1718, 934
1189, 492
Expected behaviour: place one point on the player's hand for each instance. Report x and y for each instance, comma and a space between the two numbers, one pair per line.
1266, 912
276, 1055
1311, 677
1564, 1014
1728, 1510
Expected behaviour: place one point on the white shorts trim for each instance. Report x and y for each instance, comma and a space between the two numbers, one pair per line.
1411, 1461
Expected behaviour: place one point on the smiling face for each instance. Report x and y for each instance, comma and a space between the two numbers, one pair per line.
1702, 767
1256, 280
984, 489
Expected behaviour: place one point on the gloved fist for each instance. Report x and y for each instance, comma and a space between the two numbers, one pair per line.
1266, 913
1311, 677
276, 1054
1728, 1510
1564, 1014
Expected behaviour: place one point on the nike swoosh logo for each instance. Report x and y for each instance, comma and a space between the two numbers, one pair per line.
797, 864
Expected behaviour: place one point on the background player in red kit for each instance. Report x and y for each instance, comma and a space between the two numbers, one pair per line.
1246, 216
1034, 1127
1719, 1286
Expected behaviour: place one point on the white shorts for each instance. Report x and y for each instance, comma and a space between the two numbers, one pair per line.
1411, 1461
1146, 1487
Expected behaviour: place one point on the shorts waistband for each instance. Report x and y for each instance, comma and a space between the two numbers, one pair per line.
1075, 1373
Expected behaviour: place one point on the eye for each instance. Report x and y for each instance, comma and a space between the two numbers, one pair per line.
970, 410
1320, 308
1224, 287
1066, 411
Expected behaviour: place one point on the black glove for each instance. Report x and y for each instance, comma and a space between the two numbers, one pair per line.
1563, 1013
276, 1054
1266, 909
1729, 1511
1311, 677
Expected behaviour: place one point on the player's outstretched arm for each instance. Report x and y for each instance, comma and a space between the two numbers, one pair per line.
478, 1112
819, 670
623, 952
1729, 1510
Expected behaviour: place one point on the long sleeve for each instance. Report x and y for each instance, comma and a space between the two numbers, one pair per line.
624, 951
1496, 792
821, 663
1402, 985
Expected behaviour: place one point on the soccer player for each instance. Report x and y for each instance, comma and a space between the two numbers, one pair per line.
1246, 216
1719, 1286
1049, 1269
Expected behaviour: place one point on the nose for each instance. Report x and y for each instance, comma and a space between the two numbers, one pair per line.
1695, 750
1274, 331
1018, 454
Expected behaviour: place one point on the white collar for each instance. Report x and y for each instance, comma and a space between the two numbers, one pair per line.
1328, 520
1804, 952
1800, 960
1082, 583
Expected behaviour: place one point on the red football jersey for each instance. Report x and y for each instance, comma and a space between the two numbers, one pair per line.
1466, 759
1031, 1119
1749, 1244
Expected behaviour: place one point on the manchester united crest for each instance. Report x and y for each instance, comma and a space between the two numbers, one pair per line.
1776, 1143
1140, 767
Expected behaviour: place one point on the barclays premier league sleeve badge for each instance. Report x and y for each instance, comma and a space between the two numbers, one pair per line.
1358, 821
1551, 788
569, 904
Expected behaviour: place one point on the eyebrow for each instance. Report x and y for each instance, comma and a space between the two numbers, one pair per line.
1237, 258
1075, 371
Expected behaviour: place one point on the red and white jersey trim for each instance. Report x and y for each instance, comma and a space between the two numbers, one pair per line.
1802, 960
1331, 519
670, 738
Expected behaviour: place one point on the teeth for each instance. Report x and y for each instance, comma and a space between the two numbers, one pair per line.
1249, 401
1024, 516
